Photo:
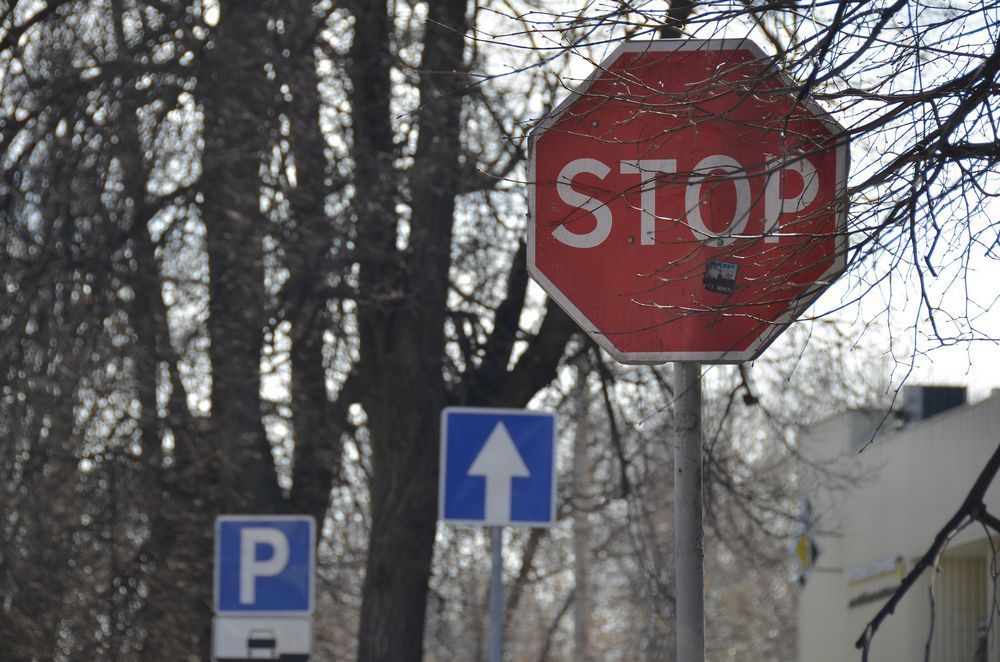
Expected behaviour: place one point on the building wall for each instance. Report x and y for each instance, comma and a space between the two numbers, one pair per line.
889, 501
960, 607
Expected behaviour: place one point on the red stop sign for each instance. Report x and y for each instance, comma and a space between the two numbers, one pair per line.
685, 204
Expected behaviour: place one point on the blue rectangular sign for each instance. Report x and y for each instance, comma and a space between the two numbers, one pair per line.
264, 564
497, 467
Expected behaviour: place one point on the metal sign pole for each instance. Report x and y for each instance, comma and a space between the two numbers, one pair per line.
496, 596
689, 549
581, 521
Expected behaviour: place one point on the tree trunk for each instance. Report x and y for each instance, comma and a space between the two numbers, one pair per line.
318, 424
403, 516
235, 96
403, 343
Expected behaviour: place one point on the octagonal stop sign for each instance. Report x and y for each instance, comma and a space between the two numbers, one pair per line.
686, 204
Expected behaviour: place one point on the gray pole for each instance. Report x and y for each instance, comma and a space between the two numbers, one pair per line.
496, 595
689, 549
581, 521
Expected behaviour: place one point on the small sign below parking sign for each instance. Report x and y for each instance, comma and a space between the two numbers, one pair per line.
244, 638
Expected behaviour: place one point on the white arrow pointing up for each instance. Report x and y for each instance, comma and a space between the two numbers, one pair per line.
499, 462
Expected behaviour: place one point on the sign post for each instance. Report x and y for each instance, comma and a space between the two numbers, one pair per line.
497, 469
496, 595
689, 546
687, 202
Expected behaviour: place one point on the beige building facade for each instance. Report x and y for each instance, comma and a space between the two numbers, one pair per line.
876, 512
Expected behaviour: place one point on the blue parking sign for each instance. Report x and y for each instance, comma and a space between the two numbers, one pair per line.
264, 564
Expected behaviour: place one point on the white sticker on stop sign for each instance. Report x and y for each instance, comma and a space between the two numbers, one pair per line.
720, 276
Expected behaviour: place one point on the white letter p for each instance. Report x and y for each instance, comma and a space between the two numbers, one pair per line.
251, 568
775, 204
